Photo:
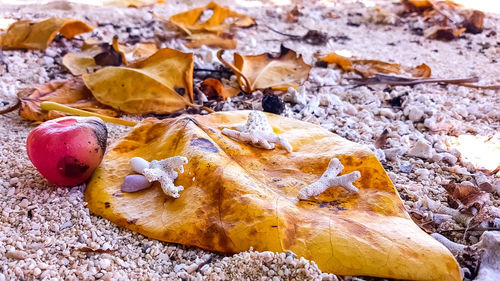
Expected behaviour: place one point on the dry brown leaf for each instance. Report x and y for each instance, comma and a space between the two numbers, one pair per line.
72, 93
159, 84
292, 16
369, 68
213, 88
444, 33
277, 71
468, 195
27, 34
417, 5
446, 20
95, 251
238, 196
211, 40
95, 53
420, 71
381, 141
221, 20
474, 22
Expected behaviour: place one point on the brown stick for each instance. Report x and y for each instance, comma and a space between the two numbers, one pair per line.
403, 81
471, 229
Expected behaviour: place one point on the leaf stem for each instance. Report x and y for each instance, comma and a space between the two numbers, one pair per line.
48, 105
246, 87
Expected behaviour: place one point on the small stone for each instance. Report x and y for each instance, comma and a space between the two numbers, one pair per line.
65, 225
13, 181
191, 268
422, 150
448, 158
350, 109
134, 183
50, 53
37, 271
105, 263
16, 254
422, 173
24, 203
138, 164
179, 267
387, 112
406, 168
415, 114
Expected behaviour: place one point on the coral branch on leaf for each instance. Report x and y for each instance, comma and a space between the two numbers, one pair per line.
162, 171
330, 178
258, 132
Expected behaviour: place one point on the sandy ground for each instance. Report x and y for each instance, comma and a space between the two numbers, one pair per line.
42, 226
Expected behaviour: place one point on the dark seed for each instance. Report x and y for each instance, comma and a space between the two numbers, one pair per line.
273, 104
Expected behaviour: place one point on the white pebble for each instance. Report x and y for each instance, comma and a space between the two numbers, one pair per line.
105, 263
17, 255
422, 150
138, 164
415, 114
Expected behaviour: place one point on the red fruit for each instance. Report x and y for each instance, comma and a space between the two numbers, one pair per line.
67, 150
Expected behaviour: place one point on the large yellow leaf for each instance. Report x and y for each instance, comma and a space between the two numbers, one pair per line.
26, 34
72, 93
368, 68
221, 20
237, 196
279, 71
161, 83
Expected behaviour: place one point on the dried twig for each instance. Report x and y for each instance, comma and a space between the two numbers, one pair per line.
313, 37
471, 229
403, 81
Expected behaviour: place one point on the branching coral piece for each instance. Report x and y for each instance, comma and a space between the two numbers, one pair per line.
330, 178
162, 171
258, 132
455, 248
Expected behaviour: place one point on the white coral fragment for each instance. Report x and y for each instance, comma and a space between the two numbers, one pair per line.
489, 270
258, 132
330, 178
162, 171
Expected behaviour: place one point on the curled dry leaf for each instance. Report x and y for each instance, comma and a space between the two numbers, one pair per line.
417, 5
446, 20
27, 34
468, 195
214, 88
238, 196
94, 54
72, 93
159, 84
212, 31
277, 71
369, 68
381, 141
221, 20
292, 16
444, 33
